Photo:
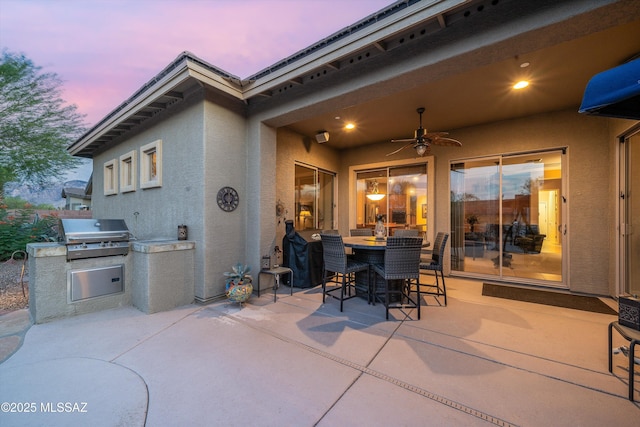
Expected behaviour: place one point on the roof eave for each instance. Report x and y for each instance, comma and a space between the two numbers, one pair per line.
185, 67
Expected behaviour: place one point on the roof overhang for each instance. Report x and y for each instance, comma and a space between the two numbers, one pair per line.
614, 93
163, 91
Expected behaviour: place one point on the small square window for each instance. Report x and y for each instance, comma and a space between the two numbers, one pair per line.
128, 172
111, 177
151, 165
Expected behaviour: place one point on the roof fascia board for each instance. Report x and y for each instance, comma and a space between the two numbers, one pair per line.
166, 84
218, 82
385, 28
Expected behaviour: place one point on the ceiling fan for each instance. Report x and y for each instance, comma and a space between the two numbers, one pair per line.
423, 140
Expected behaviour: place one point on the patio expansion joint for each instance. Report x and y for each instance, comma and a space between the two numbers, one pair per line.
512, 366
379, 375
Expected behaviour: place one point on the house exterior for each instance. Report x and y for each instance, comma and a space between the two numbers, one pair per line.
171, 152
76, 199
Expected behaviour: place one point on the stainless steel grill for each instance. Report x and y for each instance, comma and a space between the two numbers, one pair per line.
90, 238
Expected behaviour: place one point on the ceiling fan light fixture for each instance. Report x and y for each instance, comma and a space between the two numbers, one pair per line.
421, 149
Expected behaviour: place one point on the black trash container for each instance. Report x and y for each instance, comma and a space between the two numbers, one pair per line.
303, 255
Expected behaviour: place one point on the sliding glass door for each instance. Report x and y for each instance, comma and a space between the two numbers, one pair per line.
507, 217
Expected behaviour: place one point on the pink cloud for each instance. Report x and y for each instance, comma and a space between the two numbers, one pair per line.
105, 50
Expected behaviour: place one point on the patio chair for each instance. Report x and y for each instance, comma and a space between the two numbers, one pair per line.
435, 265
401, 267
406, 232
361, 232
336, 261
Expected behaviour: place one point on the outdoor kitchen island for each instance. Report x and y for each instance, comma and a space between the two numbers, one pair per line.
155, 275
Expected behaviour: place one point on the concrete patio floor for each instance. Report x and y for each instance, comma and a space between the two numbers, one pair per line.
480, 361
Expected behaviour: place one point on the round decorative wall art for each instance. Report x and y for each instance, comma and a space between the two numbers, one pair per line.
228, 199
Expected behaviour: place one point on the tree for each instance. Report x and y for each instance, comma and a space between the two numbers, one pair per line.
36, 126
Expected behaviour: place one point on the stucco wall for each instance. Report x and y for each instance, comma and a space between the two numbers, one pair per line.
155, 213
589, 180
224, 160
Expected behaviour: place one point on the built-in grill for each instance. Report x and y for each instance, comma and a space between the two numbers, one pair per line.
90, 238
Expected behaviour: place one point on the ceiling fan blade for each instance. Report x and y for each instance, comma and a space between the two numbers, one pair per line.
401, 148
434, 135
447, 141
404, 140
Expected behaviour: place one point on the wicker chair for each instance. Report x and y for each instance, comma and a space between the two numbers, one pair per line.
406, 232
435, 265
330, 232
361, 232
336, 261
401, 263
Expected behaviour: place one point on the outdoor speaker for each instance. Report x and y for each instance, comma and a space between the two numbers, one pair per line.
322, 137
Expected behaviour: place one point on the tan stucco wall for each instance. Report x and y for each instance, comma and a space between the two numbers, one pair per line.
203, 149
223, 164
590, 154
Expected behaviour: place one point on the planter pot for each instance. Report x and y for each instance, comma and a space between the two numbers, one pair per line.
240, 292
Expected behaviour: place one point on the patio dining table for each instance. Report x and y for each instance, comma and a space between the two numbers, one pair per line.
369, 249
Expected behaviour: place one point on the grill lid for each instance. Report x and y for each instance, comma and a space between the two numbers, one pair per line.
75, 231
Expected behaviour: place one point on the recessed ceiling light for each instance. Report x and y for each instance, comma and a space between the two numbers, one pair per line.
521, 84
524, 65
349, 126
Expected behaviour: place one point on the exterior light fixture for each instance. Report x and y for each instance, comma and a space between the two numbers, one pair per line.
374, 194
322, 136
521, 84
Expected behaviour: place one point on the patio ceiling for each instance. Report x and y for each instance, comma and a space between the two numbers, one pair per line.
558, 75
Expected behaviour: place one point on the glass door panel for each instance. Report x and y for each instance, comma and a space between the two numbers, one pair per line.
532, 217
475, 216
314, 198
326, 204
407, 198
630, 221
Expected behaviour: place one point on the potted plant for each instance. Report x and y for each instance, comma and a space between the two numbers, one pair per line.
238, 284
472, 219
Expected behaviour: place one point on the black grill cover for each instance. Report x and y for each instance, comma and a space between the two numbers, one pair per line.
303, 255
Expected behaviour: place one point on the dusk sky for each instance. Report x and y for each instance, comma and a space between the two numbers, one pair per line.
104, 50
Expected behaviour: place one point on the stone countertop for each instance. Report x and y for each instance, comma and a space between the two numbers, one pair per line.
41, 250
155, 246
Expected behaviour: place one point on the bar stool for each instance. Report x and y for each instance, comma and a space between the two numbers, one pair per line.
276, 272
630, 335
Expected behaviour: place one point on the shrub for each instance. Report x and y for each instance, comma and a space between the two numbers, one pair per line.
22, 228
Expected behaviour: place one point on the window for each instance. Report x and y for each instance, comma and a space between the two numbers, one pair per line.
110, 177
128, 172
397, 194
314, 198
151, 165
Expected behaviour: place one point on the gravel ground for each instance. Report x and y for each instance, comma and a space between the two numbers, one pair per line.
11, 285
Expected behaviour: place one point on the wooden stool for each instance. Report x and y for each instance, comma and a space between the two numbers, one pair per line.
276, 272
630, 335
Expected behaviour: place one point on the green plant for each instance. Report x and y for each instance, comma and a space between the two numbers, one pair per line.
22, 228
240, 274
